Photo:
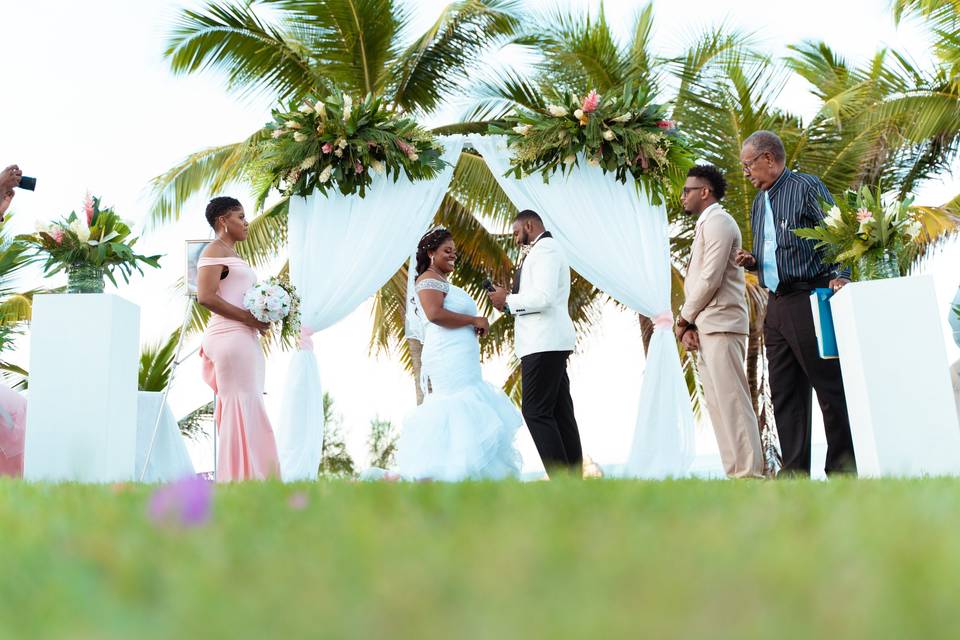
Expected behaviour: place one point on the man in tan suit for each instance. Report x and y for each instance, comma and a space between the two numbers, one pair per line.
714, 321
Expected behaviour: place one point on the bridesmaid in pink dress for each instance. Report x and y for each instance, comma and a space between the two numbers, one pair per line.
233, 363
13, 406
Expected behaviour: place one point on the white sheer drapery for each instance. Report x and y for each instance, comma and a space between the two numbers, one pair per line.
619, 241
342, 249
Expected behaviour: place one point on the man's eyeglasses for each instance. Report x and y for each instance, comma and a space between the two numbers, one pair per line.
687, 190
749, 163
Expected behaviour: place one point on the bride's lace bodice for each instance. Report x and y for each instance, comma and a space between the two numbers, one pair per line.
450, 357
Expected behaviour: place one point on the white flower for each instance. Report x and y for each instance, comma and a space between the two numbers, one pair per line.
80, 228
342, 143
276, 133
522, 129
293, 124
42, 227
325, 174
347, 107
305, 108
338, 153
299, 137
833, 218
414, 156
593, 161
578, 114
608, 135
912, 229
309, 162
377, 166
556, 110
321, 109
570, 159
624, 118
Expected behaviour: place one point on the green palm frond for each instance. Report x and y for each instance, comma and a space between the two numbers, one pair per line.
156, 363
434, 65
266, 236
498, 93
475, 186
351, 41
256, 56
209, 170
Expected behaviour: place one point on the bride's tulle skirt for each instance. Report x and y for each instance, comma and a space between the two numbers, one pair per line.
466, 434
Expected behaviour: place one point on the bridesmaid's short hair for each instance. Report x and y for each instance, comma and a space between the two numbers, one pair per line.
220, 206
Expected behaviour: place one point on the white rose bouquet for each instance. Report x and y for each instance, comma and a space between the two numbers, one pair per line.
276, 300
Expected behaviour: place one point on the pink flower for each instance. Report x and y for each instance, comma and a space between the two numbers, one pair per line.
298, 501
591, 102
357, 167
183, 503
57, 235
88, 207
327, 148
666, 124
405, 147
864, 215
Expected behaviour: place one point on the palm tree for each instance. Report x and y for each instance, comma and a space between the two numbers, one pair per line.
289, 49
15, 305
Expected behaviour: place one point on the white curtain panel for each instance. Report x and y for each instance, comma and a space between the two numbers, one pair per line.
619, 241
342, 249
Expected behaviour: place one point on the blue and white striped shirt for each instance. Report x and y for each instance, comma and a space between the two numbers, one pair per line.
795, 199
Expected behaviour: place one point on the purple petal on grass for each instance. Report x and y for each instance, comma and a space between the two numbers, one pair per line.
298, 501
185, 502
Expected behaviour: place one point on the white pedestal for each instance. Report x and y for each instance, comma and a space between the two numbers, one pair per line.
896, 378
169, 459
82, 420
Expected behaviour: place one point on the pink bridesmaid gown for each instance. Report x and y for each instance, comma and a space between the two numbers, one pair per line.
13, 426
233, 365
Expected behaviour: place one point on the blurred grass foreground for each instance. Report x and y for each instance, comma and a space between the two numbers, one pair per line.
565, 559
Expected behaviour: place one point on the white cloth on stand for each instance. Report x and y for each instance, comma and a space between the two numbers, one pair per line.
342, 249
615, 238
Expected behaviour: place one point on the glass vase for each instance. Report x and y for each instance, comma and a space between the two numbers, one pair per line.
83, 278
879, 265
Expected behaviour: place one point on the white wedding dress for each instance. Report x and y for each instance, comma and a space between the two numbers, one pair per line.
465, 428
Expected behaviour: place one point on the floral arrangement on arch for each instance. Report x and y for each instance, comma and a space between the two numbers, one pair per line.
96, 237
624, 134
334, 143
876, 237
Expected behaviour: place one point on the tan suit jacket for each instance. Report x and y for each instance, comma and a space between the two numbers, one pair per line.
715, 289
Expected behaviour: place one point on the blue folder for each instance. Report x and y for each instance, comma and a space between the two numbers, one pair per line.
823, 323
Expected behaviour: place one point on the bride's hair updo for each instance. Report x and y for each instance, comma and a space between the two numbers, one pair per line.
430, 242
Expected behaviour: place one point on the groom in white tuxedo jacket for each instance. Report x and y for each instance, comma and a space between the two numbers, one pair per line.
544, 339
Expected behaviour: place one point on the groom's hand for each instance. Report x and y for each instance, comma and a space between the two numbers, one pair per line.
498, 297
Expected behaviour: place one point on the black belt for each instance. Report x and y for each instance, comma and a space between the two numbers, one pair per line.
798, 287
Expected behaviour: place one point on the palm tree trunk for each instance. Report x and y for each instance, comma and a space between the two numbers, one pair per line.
416, 349
646, 331
754, 344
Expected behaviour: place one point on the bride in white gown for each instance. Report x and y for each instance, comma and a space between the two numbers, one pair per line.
465, 428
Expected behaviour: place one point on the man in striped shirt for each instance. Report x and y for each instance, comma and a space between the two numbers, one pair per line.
789, 267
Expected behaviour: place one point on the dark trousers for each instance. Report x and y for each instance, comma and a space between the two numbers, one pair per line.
796, 369
548, 411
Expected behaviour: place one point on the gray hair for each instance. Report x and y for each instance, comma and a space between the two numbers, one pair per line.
767, 142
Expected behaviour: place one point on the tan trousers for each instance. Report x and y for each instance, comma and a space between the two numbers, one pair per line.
723, 372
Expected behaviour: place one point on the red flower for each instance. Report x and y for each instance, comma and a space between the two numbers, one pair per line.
666, 124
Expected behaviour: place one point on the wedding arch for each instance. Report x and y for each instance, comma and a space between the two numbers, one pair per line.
364, 184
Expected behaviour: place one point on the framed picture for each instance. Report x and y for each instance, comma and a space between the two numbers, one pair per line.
194, 249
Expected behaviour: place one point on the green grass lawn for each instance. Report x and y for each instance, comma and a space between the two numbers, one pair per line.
568, 559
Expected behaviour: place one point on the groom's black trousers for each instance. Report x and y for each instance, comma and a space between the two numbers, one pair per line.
548, 410
796, 369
